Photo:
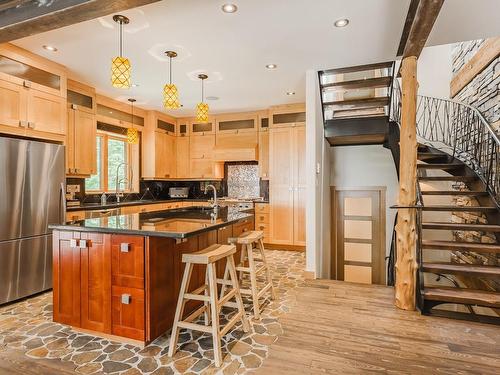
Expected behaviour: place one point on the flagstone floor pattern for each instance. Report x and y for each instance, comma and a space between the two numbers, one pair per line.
27, 327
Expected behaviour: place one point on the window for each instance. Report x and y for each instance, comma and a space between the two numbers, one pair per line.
112, 151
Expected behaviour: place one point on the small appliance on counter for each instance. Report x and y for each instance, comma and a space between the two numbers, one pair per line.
178, 192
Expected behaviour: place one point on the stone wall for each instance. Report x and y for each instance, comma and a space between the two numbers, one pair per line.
483, 92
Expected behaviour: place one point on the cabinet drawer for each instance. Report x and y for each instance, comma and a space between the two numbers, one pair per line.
127, 261
262, 227
261, 208
261, 218
75, 215
127, 317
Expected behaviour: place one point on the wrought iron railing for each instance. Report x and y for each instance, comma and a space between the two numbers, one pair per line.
459, 130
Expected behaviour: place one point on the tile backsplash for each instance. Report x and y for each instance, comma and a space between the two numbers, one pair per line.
243, 181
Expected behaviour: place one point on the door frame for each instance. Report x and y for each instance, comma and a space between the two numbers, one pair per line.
333, 226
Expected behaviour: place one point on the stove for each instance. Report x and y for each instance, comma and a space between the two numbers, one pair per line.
240, 203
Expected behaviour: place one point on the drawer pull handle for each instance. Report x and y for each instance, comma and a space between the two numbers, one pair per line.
124, 247
73, 244
126, 298
82, 244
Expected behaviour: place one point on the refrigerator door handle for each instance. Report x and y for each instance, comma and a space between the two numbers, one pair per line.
62, 204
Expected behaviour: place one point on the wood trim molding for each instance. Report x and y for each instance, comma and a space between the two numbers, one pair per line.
488, 52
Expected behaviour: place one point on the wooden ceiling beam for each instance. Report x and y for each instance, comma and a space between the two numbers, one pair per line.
22, 18
418, 25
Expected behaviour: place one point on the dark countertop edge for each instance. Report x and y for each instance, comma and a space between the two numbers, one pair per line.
97, 207
94, 207
145, 233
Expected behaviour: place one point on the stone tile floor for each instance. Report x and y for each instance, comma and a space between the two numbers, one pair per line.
27, 327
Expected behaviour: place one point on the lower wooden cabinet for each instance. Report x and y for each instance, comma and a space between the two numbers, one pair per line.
128, 312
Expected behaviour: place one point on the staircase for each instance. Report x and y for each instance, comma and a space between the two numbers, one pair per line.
454, 272
356, 103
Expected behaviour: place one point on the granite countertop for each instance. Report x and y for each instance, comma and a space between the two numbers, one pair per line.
111, 205
176, 223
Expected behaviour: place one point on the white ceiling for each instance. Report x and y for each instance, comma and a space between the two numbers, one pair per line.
233, 49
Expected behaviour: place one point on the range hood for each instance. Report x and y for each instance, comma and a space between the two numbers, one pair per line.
250, 153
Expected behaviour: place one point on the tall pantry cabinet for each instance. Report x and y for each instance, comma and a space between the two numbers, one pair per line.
287, 186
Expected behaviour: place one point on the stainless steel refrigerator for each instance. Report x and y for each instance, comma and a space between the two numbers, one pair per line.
32, 196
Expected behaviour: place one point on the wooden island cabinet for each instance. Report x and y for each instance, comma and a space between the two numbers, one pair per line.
126, 285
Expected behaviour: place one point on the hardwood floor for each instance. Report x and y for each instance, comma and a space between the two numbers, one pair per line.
344, 328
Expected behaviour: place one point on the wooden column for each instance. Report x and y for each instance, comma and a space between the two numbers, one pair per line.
406, 225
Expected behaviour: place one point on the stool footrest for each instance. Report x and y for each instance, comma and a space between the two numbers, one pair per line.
242, 269
196, 297
224, 282
194, 326
195, 314
226, 298
246, 291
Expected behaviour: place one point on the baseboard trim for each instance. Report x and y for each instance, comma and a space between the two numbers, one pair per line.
284, 247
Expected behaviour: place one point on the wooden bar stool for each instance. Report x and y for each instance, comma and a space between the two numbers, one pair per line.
208, 294
252, 241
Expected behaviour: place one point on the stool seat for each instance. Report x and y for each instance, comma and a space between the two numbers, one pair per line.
249, 237
209, 255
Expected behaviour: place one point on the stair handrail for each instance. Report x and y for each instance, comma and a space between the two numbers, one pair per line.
460, 130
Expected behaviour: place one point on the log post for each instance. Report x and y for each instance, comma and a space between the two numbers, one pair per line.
406, 225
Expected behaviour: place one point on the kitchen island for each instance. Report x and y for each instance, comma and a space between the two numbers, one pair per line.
120, 275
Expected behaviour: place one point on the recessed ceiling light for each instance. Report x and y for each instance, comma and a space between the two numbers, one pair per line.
341, 22
135, 85
50, 48
212, 98
271, 66
229, 8
290, 93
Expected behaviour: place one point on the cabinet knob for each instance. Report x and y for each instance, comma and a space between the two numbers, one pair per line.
82, 244
73, 243
126, 299
124, 247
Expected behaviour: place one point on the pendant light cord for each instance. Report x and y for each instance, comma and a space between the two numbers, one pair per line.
121, 38
170, 69
202, 92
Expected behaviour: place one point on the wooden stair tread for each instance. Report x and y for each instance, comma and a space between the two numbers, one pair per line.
463, 246
359, 68
461, 226
358, 103
459, 208
453, 192
379, 82
448, 178
440, 166
455, 268
463, 296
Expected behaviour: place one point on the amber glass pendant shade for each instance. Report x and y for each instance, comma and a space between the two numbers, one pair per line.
202, 107
170, 96
120, 66
132, 136
202, 112
120, 72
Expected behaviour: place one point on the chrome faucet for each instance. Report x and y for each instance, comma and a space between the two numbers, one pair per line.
119, 181
214, 204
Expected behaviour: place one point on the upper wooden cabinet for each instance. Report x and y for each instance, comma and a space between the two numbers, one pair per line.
236, 123
287, 115
182, 157
32, 95
197, 129
159, 146
182, 127
117, 113
81, 133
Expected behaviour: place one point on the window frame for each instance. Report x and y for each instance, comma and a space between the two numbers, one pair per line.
104, 177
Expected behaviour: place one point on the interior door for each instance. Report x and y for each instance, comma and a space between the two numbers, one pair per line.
359, 227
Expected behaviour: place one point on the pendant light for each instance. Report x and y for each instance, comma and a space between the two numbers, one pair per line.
120, 66
202, 108
132, 133
170, 93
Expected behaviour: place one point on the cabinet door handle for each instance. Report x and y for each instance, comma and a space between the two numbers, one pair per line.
126, 299
73, 243
31, 125
27, 84
82, 244
23, 123
124, 247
